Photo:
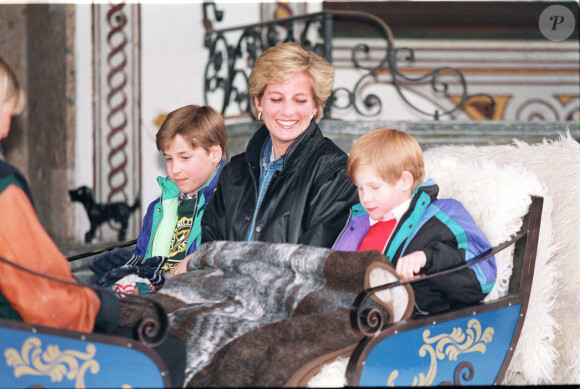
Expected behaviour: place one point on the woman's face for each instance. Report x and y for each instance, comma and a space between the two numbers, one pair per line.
6, 112
287, 110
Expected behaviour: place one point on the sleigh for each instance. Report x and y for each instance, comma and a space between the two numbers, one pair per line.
471, 345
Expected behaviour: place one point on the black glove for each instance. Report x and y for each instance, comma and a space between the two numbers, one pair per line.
113, 259
149, 268
109, 278
145, 268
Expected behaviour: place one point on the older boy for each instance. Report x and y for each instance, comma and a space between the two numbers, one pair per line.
400, 216
193, 140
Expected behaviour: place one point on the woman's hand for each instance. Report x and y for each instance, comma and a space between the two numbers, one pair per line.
410, 265
181, 267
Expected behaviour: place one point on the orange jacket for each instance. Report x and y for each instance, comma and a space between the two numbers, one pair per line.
38, 300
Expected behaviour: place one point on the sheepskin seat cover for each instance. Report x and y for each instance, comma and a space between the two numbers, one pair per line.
549, 348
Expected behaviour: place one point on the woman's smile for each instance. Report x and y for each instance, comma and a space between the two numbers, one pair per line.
286, 123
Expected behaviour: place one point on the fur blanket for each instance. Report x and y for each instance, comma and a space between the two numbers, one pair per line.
245, 308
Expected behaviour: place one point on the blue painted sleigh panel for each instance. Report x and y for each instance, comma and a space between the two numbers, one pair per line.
470, 349
34, 356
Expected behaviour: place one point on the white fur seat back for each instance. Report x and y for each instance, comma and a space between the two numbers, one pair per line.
495, 183
496, 197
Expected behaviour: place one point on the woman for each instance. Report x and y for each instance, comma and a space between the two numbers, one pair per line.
290, 186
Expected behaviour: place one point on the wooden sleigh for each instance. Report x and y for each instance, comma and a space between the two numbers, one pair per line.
471, 345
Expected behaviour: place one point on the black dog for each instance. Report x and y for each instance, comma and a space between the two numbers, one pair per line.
100, 213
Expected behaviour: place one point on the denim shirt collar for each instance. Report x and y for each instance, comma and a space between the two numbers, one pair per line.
267, 157
268, 167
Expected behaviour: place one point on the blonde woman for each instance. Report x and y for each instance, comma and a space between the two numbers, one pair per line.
290, 185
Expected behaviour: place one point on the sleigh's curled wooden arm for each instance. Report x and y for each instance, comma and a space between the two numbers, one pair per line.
369, 322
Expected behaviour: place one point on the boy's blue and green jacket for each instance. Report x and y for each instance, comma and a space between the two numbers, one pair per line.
448, 235
161, 217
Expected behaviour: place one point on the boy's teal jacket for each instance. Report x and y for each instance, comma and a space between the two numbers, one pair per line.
155, 212
448, 235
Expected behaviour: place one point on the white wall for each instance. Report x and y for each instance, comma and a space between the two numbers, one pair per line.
173, 62
171, 45
173, 59
83, 171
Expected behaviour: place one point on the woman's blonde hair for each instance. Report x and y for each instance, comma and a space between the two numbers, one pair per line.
200, 126
277, 65
9, 88
389, 152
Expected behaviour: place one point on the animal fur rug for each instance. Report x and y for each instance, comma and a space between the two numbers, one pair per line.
247, 308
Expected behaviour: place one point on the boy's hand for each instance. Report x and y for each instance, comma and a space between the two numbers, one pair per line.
410, 265
181, 267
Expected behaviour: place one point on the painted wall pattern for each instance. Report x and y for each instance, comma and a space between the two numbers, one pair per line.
116, 78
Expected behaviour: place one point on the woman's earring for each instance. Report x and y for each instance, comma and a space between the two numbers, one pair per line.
260, 115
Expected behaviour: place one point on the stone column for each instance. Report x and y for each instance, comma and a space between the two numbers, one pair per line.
37, 40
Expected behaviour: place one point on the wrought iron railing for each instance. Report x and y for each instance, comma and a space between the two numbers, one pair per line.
230, 62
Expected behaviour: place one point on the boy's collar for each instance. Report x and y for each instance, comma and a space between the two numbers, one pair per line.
185, 196
395, 213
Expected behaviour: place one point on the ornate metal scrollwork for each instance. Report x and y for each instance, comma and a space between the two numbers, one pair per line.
463, 371
229, 64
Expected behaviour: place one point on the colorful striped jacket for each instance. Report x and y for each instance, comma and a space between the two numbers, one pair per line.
24, 241
161, 217
448, 235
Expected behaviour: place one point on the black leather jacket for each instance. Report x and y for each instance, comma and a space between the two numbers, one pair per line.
307, 202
